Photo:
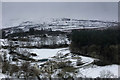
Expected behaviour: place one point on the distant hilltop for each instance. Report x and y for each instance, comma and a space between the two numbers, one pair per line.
59, 24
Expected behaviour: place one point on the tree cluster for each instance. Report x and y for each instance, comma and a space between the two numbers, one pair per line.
102, 44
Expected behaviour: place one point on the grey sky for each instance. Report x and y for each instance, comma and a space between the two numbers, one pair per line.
12, 11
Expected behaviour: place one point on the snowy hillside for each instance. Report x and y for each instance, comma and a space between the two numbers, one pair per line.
61, 24
46, 49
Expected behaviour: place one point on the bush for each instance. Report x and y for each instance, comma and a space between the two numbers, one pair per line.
33, 54
78, 63
69, 69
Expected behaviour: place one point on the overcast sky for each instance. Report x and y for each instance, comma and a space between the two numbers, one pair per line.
13, 11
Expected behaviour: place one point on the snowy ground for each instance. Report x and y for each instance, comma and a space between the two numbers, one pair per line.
93, 72
2, 76
46, 53
87, 69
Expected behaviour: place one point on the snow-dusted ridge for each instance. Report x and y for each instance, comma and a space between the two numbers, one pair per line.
61, 24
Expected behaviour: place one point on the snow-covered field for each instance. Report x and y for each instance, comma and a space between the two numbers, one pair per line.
87, 69
96, 71
45, 53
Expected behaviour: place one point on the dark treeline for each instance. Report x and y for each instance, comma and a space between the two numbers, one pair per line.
31, 31
29, 36
101, 44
